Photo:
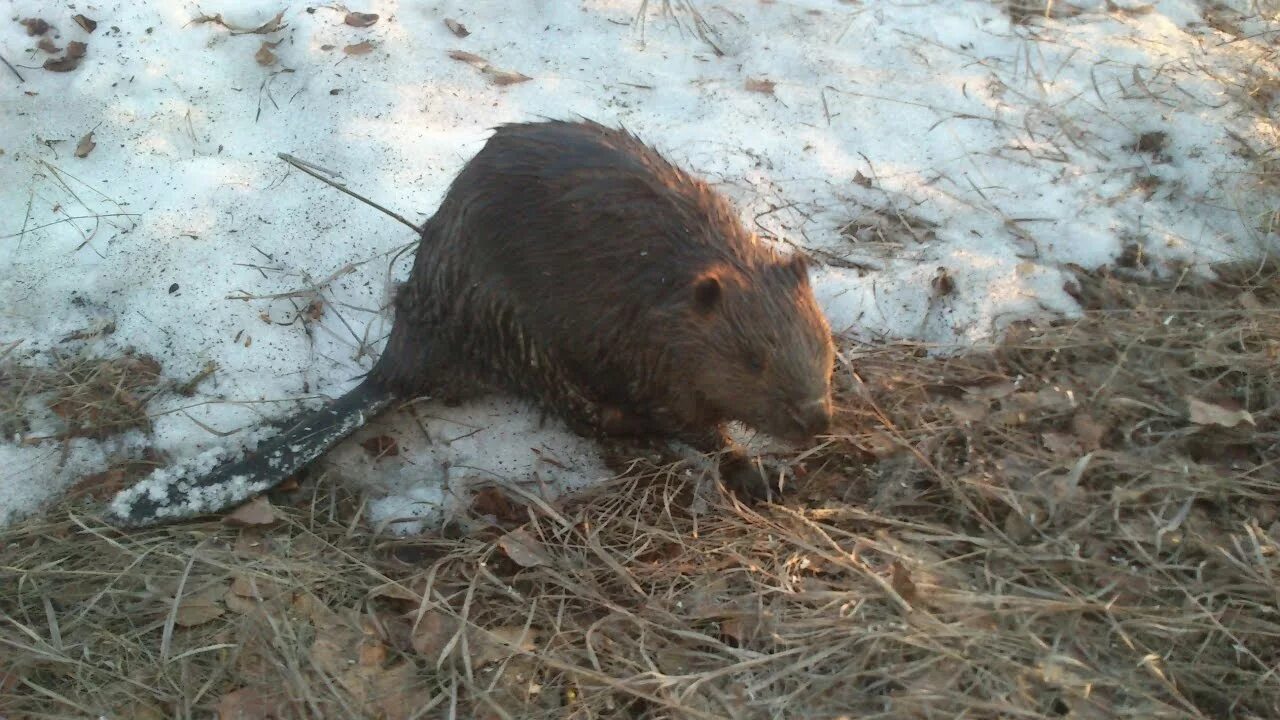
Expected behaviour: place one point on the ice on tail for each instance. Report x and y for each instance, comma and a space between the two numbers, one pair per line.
220, 478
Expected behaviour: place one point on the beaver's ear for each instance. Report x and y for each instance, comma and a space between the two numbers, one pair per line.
707, 291
797, 266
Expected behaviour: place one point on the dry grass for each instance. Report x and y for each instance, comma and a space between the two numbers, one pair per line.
1050, 528
92, 396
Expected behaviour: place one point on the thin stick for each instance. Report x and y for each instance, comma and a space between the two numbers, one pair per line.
315, 170
15, 70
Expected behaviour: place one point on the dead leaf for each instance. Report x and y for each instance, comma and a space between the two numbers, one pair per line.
372, 654
264, 56
65, 63
363, 48
86, 145
381, 446
269, 26
1061, 444
900, 579
246, 703
968, 410
433, 633
943, 284
469, 58
36, 26
1203, 413
994, 391
257, 511
492, 502
85, 23
1088, 431
490, 645
503, 77
760, 85
1249, 301
495, 75
456, 27
199, 608
395, 591
46, 44
258, 588
880, 444
360, 20
321, 616
523, 548
77, 49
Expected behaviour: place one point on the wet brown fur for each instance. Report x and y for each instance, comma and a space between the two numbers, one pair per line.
572, 264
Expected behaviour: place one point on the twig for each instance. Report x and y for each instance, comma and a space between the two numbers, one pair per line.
315, 170
14, 69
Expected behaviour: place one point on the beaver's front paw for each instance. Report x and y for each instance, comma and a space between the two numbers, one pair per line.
752, 480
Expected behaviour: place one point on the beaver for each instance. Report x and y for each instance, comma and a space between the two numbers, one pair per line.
572, 265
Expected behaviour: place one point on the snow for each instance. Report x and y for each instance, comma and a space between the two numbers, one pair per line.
1011, 148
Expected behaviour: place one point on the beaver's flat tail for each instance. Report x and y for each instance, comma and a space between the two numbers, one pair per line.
219, 479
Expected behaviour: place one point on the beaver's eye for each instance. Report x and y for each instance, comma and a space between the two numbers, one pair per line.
755, 363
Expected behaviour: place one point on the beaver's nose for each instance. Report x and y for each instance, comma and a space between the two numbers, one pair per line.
813, 417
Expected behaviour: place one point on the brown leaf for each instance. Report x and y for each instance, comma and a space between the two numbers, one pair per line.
257, 511
943, 284
65, 64
198, 609
1061, 444
86, 145
85, 23
264, 56
362, 48
968, 410
269, 26
880, 444
77, 49
258, 588
321, 616
247, 703
36, 26
469, 58
1088, 431
902, 584
1203, 413
493, 644
372, 654
381, 446
46, 44
503, 77
215, 19
329, 651
432, 633
1249, 301
456, 27
360, 20
395, 591
493, 502
523, 548
760, 85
